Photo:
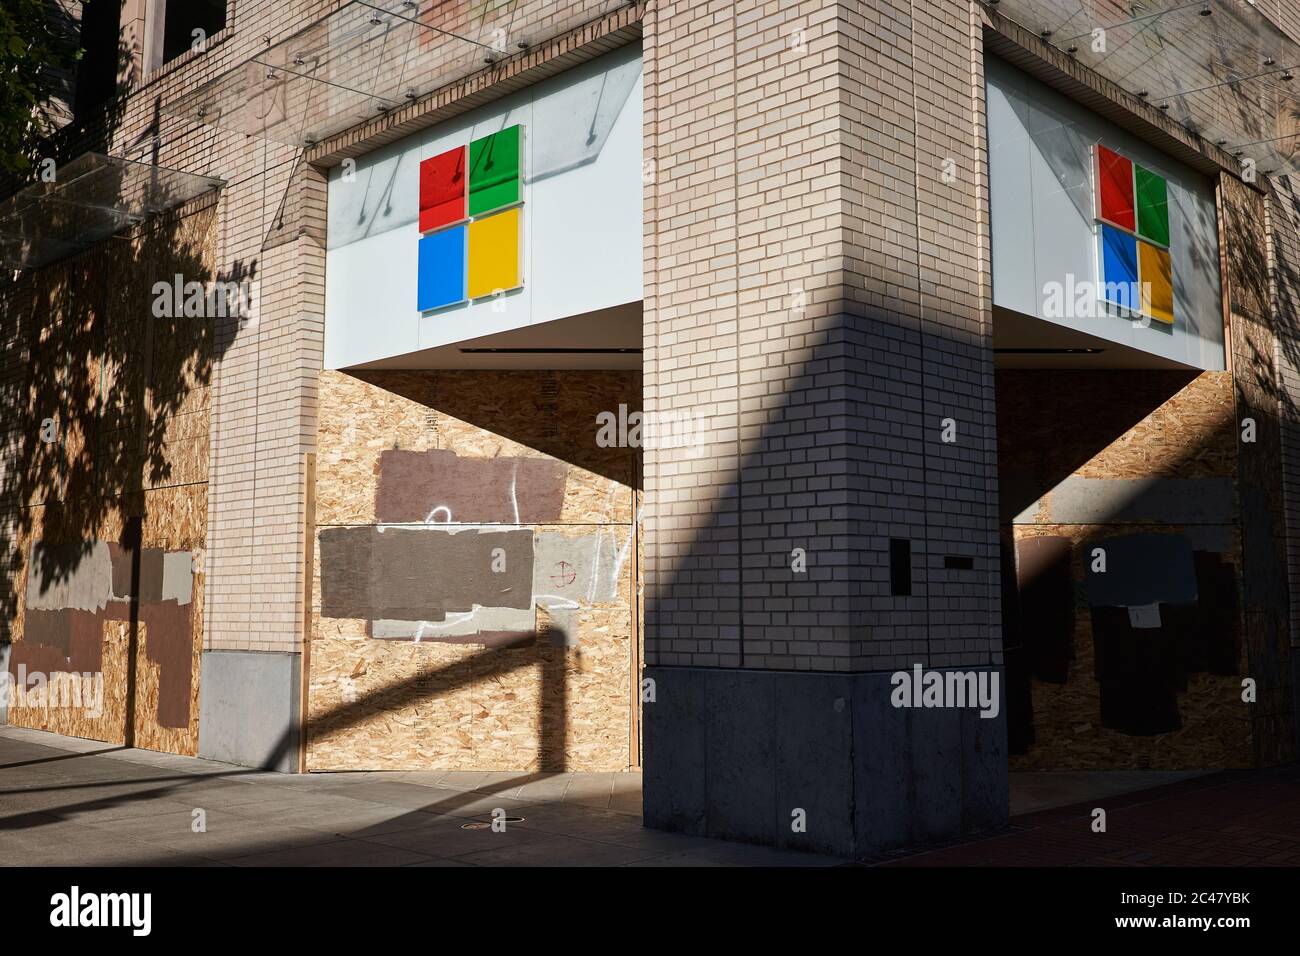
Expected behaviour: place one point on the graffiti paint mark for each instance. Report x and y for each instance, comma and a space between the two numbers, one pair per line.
565, 574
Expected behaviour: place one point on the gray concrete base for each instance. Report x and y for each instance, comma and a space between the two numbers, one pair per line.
1295, 693
249, 709
6, 690
734, 754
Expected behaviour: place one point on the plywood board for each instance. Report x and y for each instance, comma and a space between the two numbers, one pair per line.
1215, 732
118, 385
386, 705
561, 698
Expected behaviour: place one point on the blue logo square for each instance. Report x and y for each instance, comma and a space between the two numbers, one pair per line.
441, 277
1119, 269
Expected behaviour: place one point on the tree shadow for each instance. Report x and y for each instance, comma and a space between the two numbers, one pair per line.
104, 392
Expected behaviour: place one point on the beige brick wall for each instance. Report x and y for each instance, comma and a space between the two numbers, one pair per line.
271, 228
816, 290
1284, 13
264, 377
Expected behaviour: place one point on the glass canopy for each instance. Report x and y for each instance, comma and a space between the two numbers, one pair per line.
91, 198
367, 58
1219, 68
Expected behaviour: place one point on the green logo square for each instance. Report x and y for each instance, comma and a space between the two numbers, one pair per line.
1152, 195
495, 163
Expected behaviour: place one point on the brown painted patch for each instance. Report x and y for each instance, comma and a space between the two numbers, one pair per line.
1138, 673
151, 575
121, 558
413, 485
72, 640
69, 640
51, 629
404, 574
346, 559
86, 649
35, 658
1223, 652
170, 645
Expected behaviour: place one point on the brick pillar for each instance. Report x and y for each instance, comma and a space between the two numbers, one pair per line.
264, 427
1284, 257
816, 294
134, 26
1253, 282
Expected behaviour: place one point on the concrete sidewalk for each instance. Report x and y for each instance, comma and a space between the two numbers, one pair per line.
71, 802
1226, 818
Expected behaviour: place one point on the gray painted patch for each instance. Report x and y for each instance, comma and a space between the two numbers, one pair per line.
1144, 569
456, 624
564, 624
569, 572
422, 574
584, 569
178, 577
1079, 500
1030, 512
1216, 538
79, 578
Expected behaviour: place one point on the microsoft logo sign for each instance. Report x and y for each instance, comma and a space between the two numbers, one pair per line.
471, 210
1132, 211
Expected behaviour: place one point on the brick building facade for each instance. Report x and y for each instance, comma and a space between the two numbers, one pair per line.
817, 289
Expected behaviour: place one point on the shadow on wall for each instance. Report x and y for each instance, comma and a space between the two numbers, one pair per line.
96, 393
1138, 666
541, 652
1247, 262
458, 394
105, 402
1285, 193
1032, 444
443, 531
705, 567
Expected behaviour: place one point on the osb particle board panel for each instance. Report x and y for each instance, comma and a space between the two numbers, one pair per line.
114, 376
1116, 423
1216, 731
385, 704
397, 705
110, 724
149, 732
174, 520
503, 415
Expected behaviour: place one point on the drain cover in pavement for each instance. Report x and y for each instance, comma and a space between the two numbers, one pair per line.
480, 825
